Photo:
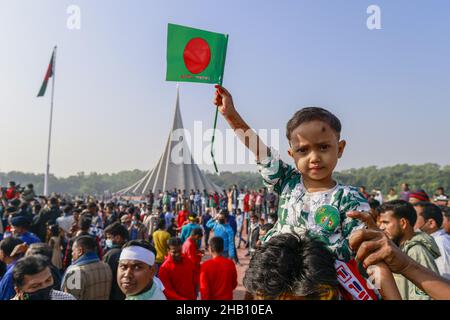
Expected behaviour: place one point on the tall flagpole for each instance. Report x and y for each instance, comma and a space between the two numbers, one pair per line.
47, 172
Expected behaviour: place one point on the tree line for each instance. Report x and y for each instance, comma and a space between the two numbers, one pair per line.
426, 176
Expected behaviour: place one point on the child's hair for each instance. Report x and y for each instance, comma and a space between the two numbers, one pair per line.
288, 263
312, 114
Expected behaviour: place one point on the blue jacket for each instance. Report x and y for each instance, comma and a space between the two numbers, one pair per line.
29, 238
205, 219
232, 223
186, 232
226, 233
7, 291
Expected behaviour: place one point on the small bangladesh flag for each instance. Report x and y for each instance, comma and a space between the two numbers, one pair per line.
195, 55
48, 75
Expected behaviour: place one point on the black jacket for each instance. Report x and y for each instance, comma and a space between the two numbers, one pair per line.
112, 259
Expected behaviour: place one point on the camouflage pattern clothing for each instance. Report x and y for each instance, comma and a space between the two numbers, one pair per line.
319, 214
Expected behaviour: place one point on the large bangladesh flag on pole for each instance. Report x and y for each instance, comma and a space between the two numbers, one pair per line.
195, 55
48, 75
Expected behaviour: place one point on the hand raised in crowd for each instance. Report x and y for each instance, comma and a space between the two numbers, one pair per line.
364, 217
19, 249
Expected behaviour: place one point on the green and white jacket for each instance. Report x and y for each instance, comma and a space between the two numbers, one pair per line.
318, 214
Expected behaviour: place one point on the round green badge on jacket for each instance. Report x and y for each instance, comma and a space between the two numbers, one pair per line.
327, 217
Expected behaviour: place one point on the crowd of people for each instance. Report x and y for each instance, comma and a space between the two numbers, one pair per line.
185, 248
62, 248
307, 235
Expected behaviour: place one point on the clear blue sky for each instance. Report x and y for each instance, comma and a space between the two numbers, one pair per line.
389, 87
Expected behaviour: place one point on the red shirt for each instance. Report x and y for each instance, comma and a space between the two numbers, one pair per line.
182, 217
178, 279
11, 194
191, 252
246, 204
218, 279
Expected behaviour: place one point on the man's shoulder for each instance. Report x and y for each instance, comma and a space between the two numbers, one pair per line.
59, 295
167, 265
212, 265
418, 250
97, 265
441, 236
112, 253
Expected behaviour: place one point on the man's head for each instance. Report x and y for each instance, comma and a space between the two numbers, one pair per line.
222, 216
273, 218
440, 191
192, 217
405, 187
83, 245
161, 224
418, 196
175, 246
429, 217
7, 246
446, 221
397, 219
314, 140
264, 229
32, 278
216, 246
290, 267
85, 222
67, 210
126, 220
92, 208
116, 235
19, 225
53, 202
197, 234
136, 267
42, 249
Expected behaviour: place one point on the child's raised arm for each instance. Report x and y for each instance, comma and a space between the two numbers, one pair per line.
224, 101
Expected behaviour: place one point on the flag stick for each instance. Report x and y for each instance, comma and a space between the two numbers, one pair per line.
50, 126
213, 138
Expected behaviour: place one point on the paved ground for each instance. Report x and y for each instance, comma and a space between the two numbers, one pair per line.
240, 290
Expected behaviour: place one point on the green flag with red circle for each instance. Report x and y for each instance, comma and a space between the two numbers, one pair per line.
195, 55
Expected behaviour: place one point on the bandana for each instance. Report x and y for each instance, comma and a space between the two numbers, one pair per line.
138, 253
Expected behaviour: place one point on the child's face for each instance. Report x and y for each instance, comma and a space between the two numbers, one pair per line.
315, 149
